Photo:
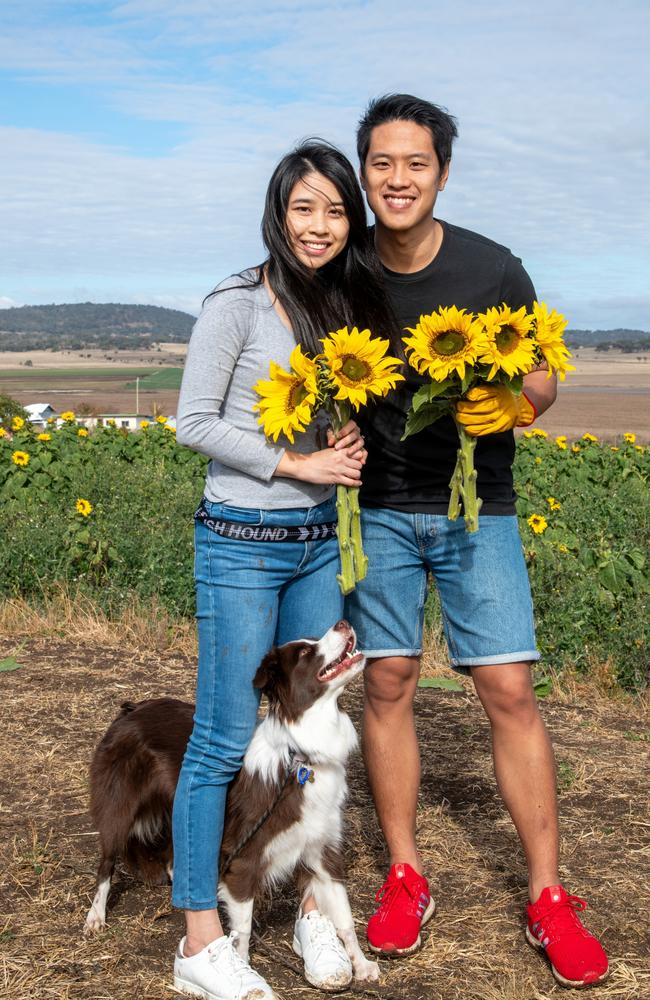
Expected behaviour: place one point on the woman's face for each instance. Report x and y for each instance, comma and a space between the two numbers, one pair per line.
316, 222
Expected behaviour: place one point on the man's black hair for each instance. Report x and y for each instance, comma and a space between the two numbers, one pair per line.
405, 107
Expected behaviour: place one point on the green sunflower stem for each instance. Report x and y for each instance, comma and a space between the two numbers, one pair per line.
359, 556
346, 577
463, 483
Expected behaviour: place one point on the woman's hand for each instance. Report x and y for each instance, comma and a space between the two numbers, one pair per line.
349, 437
331, 466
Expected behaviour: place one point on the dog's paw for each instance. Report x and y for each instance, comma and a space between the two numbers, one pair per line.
366, 971
94, 922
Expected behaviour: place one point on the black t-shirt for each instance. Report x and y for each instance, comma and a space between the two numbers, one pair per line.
470, 272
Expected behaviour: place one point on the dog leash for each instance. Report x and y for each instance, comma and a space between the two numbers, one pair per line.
303, 773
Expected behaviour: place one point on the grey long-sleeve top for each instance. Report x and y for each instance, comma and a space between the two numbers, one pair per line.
233, 342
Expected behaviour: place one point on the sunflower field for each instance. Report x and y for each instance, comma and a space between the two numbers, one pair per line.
108, 514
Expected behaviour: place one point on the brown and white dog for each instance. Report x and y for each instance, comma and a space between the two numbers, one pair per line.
135, 769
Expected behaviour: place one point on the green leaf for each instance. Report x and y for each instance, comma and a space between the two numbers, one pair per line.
9, 663
440, 388
420, 398
426, 415
613, 576
543, 686
446, 683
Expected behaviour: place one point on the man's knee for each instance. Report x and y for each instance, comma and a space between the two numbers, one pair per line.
391, 681
506, 691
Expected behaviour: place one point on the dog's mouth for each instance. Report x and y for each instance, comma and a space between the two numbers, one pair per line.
348, 658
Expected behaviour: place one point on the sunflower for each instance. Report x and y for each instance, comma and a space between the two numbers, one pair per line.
287, 398
17, 423
444, 342
549, 328
358, 365
20, 458
111, 423
144, 424
561, 441
160, 419
83, 507
589, 437
3, 432
629, 438
82, 432
43, 437
67, 416
538, 523
553, 503
510, 349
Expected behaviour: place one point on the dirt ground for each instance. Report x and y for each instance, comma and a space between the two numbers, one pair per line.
608, 395
55, 708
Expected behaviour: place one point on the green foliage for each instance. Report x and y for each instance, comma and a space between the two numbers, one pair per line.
10, 407
588, 567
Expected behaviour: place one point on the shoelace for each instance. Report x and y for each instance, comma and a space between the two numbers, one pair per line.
234, 962
560, 918
322, 935
390, 891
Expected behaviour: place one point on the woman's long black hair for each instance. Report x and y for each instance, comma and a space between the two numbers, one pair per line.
347, 291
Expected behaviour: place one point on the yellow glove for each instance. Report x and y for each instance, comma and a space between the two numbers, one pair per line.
488, 409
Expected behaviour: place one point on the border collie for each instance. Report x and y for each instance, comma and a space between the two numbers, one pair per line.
294, 767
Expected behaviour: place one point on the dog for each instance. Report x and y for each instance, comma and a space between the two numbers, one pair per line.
294, 768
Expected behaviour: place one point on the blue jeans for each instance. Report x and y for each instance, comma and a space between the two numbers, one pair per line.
250, 596
487, 611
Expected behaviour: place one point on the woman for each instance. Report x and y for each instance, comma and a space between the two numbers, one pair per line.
319, 275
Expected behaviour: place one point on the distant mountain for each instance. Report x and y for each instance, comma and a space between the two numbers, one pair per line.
112, 325
87, 324
629, 341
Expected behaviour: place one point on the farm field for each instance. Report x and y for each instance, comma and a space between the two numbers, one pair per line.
608, 395
66, 691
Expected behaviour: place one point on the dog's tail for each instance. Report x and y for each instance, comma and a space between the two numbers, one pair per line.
128, 706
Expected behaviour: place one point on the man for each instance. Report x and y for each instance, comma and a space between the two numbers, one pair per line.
404, 147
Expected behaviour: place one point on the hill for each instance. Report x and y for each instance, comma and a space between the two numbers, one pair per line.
88, 324
628, 341
113, 325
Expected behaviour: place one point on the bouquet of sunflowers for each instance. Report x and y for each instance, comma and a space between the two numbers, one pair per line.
464, 353
353, 366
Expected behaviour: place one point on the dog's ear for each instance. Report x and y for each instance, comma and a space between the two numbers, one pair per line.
266, 669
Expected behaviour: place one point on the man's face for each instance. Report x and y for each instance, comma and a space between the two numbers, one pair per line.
401, 175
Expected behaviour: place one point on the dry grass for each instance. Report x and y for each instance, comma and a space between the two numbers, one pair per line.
57, 705
77, 618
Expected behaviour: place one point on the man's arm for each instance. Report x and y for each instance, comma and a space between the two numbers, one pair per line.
540, 389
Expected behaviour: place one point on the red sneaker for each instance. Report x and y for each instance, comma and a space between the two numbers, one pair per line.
576, 956
404, 906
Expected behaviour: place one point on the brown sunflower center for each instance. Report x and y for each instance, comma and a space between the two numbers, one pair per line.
355, 369
297, 393
507, 340
448, 342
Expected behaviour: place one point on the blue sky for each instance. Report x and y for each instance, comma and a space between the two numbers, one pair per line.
137, 138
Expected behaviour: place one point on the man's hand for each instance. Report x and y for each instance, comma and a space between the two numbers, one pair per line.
488, 409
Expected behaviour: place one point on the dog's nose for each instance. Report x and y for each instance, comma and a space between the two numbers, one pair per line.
342, 626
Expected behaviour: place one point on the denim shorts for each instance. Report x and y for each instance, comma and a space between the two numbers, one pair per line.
487, 612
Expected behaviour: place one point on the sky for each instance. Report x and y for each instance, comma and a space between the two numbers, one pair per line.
137, 138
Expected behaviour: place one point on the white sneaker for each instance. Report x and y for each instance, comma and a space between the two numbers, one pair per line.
315, 940
218, 973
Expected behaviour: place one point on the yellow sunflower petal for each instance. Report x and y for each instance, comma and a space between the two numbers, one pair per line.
549, 329
510, 348
445, 342
359, 365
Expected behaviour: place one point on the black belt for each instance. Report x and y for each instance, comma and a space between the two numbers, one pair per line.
265, 532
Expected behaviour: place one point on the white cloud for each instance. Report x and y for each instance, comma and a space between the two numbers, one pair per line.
552, 158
